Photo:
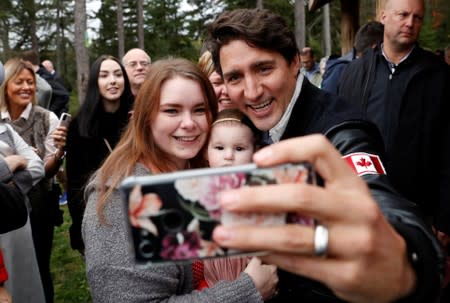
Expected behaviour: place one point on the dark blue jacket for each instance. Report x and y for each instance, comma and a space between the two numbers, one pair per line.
333, 71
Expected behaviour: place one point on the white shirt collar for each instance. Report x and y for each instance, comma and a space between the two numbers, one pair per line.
277, 131
25, 114
403, 59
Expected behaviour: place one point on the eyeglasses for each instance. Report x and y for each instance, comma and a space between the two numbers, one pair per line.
134, 64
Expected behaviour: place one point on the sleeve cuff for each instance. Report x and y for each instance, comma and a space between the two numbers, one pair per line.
426, 259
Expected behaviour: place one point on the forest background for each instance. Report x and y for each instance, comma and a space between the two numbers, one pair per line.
167, 27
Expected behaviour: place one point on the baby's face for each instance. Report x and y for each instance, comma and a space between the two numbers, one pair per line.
230, 144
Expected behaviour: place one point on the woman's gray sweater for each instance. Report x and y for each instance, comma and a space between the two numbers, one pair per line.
113, 277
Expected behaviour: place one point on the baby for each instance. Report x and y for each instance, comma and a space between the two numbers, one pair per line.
233, 139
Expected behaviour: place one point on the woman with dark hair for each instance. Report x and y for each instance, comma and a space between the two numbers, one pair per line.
173, 113
94, 132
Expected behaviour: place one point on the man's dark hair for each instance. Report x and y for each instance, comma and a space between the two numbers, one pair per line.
31, 56
257, 27
368, 35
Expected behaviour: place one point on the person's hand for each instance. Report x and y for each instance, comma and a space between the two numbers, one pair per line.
16, 162
366, 258
4, 295
59, 137
264, 276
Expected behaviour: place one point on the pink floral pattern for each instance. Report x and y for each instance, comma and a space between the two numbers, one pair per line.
141, 207
198, 198
179, 246
205, 190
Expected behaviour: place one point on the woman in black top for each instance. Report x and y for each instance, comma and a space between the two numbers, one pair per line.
94, 132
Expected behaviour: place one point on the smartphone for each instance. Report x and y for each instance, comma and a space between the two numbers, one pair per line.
171, 216
65, 119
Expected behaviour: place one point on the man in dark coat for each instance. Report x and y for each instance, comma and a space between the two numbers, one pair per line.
258, 57
405, 91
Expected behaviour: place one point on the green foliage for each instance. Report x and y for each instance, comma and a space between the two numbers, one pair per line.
166, 33
169, 29
201, 13
435, 32
234, 4
428, 36
106, 42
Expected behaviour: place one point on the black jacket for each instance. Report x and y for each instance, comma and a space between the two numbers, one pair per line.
13, 212
416, 130
84, 157
317, 111
60, 95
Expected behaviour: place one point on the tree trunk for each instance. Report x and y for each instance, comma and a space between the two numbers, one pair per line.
81, 52
326, 29
59, 29
349, 24
259, 4
32, 15
120, 31
299, 13
4, 32
140, 20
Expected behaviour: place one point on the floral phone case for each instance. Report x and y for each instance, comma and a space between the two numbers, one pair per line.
171, 216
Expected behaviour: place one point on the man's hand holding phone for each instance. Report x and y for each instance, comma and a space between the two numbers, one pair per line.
360, 239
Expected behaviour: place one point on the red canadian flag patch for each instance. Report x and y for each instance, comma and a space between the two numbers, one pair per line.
364, 163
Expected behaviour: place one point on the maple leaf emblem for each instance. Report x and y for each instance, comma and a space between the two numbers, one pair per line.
364, 163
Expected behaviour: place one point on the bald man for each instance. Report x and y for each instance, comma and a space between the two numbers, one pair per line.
48, 66
405, 91
136, 62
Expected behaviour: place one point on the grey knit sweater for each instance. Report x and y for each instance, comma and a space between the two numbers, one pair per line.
113, 277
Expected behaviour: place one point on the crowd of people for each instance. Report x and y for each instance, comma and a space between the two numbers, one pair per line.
372, 123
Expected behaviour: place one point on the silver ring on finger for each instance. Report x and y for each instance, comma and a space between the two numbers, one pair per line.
320, 240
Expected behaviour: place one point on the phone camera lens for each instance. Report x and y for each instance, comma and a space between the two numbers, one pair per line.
146, 249
172, 221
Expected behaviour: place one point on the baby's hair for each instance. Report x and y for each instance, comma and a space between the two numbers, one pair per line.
235, 115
